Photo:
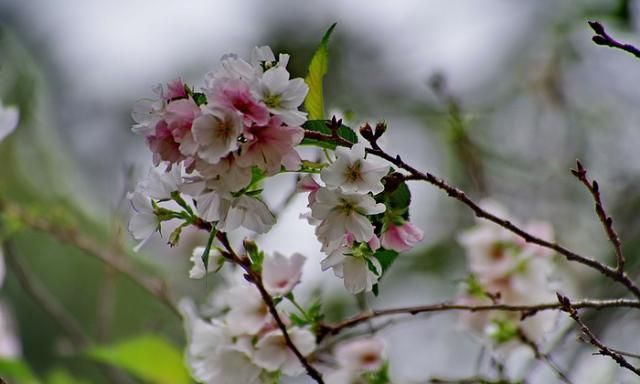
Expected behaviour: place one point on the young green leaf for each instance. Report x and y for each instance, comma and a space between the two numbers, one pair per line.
314, 102
150, 358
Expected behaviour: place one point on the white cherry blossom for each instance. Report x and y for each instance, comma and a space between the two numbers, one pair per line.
248, 314
282, 96
216, 133
248, 212
280, 274
9, 118
198, 271
160, 183
351, 172
353, 269
272, 352
362, 355
143, 222
341, 213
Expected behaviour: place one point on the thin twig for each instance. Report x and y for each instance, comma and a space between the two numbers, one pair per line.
156, 287
526, 310
473, 380
607, 222
545, 357
570, 308
256, 280
603, 38
41, 295
460, 195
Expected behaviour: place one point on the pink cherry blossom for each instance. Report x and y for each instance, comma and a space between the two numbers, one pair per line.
235, 94
308, 184
175, 90
280, 274
401, 238
271, 146
363, 355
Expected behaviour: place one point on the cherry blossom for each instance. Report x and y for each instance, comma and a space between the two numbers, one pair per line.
248, 314
235, 94
341, 213
354, 268
351, 172
282, 96
280, 274
272, 352
401, 238
144, 222
216, 133
248, 212
9, 118
198, 271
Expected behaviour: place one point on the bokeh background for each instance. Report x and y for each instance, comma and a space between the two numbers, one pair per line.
499, 97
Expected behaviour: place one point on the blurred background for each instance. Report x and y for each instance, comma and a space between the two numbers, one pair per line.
496, 96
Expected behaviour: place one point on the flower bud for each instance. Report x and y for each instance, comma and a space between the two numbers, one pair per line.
367, 132
381, 128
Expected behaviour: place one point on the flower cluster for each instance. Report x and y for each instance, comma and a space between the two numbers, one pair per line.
342, 211
506, 269
243, 343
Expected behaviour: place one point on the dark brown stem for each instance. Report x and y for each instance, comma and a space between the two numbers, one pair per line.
601, 37
455, 193
570, 308
526, 310
607, 222
544, 357
256, 279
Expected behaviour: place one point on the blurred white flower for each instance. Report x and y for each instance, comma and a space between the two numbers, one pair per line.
9, 118
248, 314
213, 356
198, 271
280, 274
10, 346
355, 358
272, 352
160, 183
351, 172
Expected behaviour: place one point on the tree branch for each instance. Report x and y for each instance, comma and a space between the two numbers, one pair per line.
581, 174
601, 37
526, 310
570, 308
156, 287
453, 192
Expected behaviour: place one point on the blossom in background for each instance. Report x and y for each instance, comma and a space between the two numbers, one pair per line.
9, 118
281, 274
272, 352
355, 358
213, 356
198, 271
341, 213
248, 314
351, 172
401, 238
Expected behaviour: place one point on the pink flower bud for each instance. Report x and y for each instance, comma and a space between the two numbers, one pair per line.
401, 238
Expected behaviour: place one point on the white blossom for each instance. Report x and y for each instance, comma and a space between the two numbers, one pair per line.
248, 314
248, 212
213, 356
283, 96
272, 353
280, 274
362, 355
161, 183
263, 57
341, 213
9, 118
198, 271
351, 172
143, 222
216, 133
354, 269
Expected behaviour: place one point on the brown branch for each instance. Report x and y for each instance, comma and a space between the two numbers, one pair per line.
570, 308
544, 357
473, 380
156, 287
607, 222
453, 192
603, 38
526, 310
256, 279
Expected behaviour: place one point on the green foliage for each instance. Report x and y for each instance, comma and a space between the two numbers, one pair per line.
398, 202
147, 357
60, 376
503, 331
255, 255
381, 376
314, 102
312, 316
322, 126
207, 248
386, 257
18, 371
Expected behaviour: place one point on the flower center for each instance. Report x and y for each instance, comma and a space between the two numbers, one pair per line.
272, 101
352, 173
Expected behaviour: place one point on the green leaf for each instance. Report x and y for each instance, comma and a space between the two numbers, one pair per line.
314, 102
60, 376
17, 371
207, 248
199, 98
147, 357
322, 126
386, 257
